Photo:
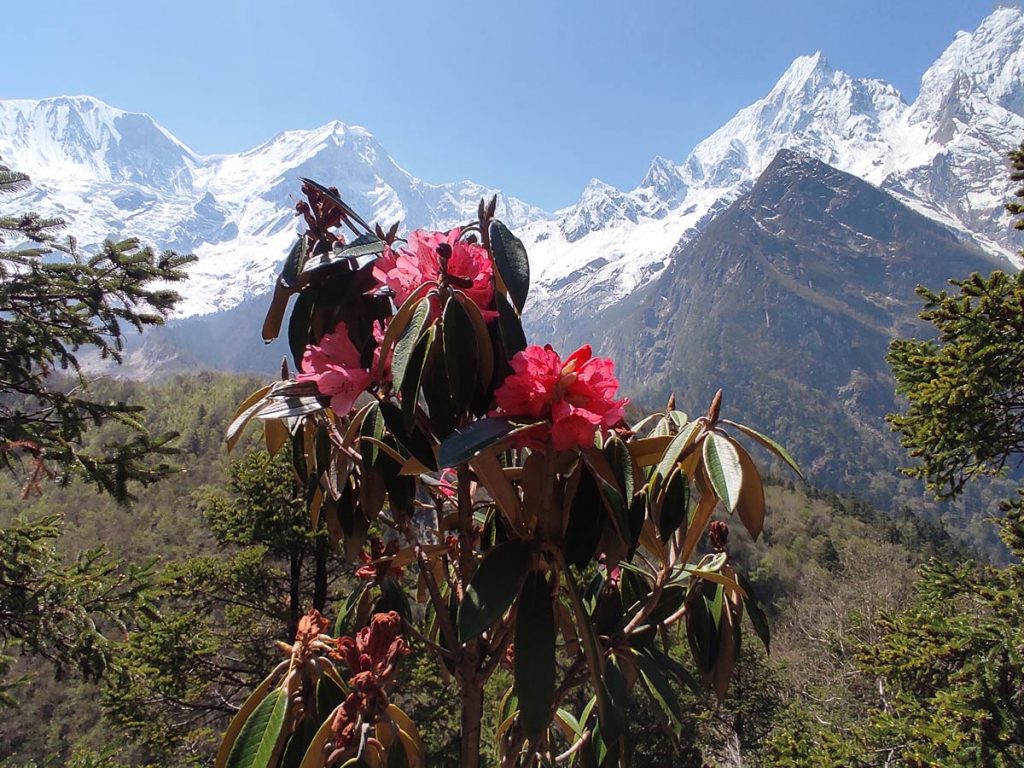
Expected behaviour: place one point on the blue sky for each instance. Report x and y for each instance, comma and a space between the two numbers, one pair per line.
534, 97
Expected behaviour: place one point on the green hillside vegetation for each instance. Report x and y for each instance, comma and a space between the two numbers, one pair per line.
222, 531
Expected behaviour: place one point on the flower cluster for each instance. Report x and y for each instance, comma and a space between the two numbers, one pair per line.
334, 364
576, 397
374, 565
372, 657
430, 257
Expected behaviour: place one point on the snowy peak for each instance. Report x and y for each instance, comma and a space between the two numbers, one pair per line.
814, 108
600, 206
80, 138
114, 173
988, 63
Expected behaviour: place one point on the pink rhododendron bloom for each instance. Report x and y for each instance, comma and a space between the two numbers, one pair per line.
577, 396
335, 367
419, 262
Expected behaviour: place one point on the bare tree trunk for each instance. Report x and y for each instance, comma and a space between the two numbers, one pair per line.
472, 712
321, 554
294, 592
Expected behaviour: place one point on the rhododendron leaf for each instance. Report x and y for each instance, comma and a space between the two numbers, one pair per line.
414, 441
244, 415
586, 522
615, 502
768, 443
408, 340
364, 245
247, 708
298, 325
698, 521
459, 353
494, 587
750, 504
512, 263
314, 757
372, 426
510, 327
290, 407
484, 349
613, 720
258, 741
399, 323
535, 654
683, 440
660, 691
393, 598
675, 504
621, 462
299, 743
413, 375
723, 467
289, 276
341, 624
465, 443
757, 616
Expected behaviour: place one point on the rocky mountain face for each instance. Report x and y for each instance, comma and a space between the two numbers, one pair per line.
944, 154
788, 300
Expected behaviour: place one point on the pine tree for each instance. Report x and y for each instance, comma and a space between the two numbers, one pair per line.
55, 303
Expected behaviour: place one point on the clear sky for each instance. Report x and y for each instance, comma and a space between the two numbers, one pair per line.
535, 97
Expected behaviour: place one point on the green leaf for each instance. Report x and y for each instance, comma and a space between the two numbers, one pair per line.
329, 697
510, 327
586, 522
408, 340
364, 245
675, 504
259, 737
341, 623
293, 263
723, 466
768, 443
290, 407
494, 587
675, 448
298, 325
413, 376
535, 654
661, 691
460, 347
757, 616
413, 440
463, 444
613, 722
299, 743
512, 262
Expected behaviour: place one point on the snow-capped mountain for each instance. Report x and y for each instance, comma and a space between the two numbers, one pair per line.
944, 155
117, 174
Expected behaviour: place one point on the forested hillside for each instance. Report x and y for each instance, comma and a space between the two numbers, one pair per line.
826, 569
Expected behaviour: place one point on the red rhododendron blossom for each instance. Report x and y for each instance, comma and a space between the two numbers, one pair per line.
335, 367
577, 395
420, 262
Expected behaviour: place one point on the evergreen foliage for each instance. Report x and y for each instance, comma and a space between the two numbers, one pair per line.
56, 304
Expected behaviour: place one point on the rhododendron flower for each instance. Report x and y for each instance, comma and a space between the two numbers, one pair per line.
576, 396
335, 367
374, 567
422, 259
